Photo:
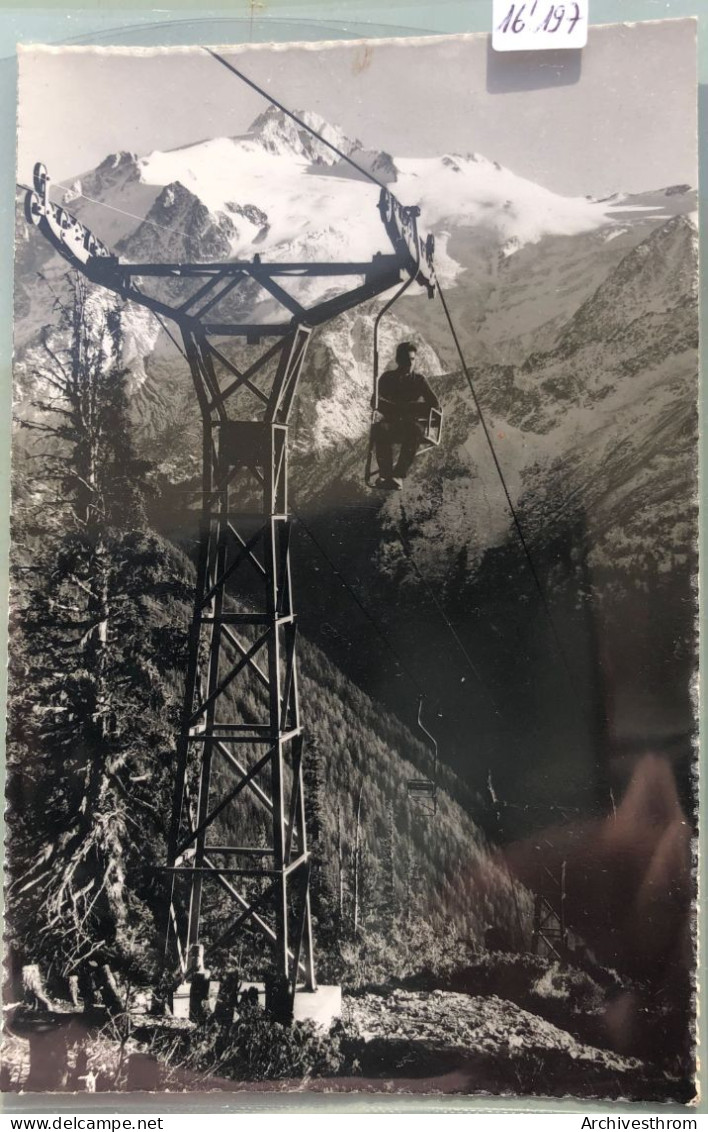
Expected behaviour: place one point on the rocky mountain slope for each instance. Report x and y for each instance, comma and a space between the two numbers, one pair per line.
578, 320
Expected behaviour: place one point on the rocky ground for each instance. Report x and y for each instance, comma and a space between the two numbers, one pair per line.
469, 1044
448, 1021
404, 1041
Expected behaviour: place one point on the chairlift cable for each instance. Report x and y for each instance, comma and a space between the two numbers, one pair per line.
375, 623
57, 300
405, 543
512, 510
299, 121
370, 617
357, 600
384, 637
166, 328
112, 208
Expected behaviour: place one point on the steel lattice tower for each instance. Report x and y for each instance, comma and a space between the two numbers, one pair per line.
245, 552
243, 635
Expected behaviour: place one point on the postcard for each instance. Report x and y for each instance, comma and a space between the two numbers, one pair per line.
351, 726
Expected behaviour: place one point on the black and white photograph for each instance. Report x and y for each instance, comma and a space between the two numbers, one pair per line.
351, 726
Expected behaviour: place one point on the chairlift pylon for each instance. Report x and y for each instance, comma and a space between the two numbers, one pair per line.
188, 830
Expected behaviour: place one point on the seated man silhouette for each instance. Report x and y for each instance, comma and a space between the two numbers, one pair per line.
404, 398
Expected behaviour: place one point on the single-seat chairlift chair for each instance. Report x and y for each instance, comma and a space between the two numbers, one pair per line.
430, 421
424, 791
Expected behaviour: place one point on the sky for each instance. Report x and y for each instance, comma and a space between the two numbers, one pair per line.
618, 116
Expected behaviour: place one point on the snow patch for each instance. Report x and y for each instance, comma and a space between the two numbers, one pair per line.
613, 233
140, 331
73, 193
477, 192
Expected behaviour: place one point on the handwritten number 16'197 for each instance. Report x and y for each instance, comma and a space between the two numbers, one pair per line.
514, 20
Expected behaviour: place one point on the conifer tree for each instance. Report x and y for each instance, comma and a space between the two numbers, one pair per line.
388, 902
325, 910
92, 714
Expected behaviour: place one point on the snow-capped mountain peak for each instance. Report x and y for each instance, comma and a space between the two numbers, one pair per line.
279, 134
114, 172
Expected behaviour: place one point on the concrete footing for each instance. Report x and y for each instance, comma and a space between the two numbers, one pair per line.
181, 998
323, 1006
